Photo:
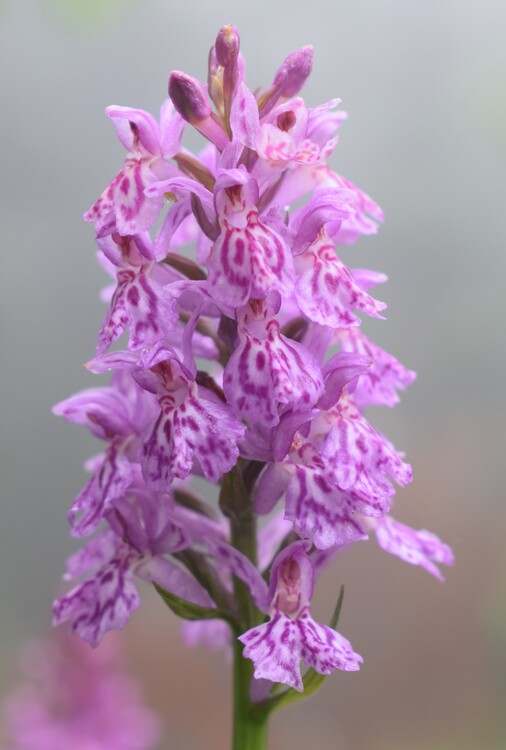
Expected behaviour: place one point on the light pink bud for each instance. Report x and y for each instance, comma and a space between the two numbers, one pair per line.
294, 72
227, 45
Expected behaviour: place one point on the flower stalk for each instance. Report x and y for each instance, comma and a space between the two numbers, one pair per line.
249, 726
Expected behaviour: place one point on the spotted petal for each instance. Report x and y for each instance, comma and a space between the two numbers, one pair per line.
249, 262
319, 510
110, 481
268, 373
417, 547
327, 292
324, 649
361, 458
123, 203
380, 383
277, 648
141, 303
200, 429
103, 602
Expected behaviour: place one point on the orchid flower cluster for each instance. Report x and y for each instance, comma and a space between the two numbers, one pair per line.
243, 366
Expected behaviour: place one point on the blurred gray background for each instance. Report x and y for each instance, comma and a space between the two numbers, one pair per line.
424, 83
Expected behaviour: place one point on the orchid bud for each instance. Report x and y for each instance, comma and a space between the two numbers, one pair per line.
227, 45
227, 56
190, 100
294, 72
189, 97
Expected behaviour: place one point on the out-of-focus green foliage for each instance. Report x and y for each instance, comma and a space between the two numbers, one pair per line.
89, 12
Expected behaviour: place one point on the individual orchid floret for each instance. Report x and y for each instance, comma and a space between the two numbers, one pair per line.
123, 206
383, 379
248, 259
193, 424
361, 458
268, 373
364, 214
283, 136
74, 697
291, 635
417, 547
316, 506
142, 300
324, 122
118, 414
326, 291
143, 532
215, 633
103, 602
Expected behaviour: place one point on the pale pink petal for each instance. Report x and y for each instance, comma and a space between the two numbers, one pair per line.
275, 650
324, 649
143, 305
319, 510
380, 383
104, 602
145, 128
242, 568
95, 553
199, 429
270, 487
326, 291
361, 458
244, 120
111, 481
417, 547
174, 579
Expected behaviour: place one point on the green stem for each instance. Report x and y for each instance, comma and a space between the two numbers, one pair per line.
249, 729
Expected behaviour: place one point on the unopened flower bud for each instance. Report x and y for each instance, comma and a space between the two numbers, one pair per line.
189, 97
226, 50
294, 72
227, 45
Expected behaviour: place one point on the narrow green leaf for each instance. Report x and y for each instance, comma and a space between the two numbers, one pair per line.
189, 611
337, 611
312, 681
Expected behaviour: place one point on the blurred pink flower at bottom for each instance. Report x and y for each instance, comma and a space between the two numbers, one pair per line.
77, 697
